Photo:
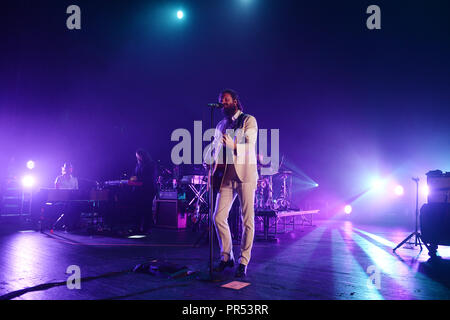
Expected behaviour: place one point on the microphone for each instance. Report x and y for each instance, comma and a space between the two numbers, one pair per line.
215, 105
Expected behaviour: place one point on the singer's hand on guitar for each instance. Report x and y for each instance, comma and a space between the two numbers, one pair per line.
228, 142
206, 166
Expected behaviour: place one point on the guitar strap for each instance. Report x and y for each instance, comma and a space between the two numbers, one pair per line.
240, 121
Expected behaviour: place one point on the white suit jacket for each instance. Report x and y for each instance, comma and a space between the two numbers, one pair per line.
244, 157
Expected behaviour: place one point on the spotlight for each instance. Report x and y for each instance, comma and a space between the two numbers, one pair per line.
28, 181
180, 14
426, 190
399, 190
377, 183
316, 185
348, 209
30, 164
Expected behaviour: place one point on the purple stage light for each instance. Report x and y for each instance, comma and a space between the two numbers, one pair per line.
28, 181
398, 190
348, 209
30, 164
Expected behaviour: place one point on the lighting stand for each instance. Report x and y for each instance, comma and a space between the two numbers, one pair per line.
418, 237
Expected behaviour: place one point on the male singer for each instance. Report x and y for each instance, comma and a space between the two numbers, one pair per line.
233, 149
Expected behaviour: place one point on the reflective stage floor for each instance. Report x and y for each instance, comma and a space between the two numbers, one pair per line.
332, 260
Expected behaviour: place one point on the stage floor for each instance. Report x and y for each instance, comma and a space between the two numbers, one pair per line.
332, 260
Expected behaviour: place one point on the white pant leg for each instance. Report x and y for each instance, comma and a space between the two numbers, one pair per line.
225, 199
246, 193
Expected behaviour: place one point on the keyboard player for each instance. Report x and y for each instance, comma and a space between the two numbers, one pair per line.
66, 180
145, 173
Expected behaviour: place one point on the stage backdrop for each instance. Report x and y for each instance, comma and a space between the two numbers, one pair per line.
350, 103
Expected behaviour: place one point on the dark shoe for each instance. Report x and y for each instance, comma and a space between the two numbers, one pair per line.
224, 264
241, 271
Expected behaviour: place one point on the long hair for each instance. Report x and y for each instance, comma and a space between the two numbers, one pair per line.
144, 155
234, 96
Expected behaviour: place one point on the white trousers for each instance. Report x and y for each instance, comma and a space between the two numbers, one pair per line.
231, 186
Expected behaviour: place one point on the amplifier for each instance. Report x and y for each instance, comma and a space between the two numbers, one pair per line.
439, 186
168, 214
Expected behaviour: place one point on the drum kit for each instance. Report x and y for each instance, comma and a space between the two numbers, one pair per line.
264, 195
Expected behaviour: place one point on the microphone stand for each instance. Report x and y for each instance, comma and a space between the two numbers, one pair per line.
210, 276
418, 240
211, 211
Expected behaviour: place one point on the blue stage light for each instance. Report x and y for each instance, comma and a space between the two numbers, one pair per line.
180, 14
377, 183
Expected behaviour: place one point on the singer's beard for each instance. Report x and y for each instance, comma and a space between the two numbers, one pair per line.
229, 110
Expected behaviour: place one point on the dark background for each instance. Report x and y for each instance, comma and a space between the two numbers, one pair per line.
350, 103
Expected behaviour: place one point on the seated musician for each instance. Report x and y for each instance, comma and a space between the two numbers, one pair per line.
145, 172
66, 180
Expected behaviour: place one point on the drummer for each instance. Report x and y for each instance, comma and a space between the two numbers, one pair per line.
264, 192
